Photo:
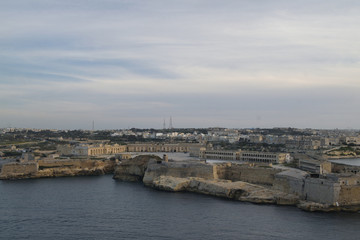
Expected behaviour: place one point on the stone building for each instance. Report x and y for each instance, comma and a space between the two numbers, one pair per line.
315, 166
105, 149
91, 150
219, 154
246, 156
101, 149
162, 147
197, 151
263, 157
344, 168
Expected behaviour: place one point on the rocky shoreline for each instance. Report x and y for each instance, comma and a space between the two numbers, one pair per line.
57, 168
261, 185
203, 178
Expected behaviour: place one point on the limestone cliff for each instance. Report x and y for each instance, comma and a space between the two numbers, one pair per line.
319, 207
178, 169
240, 191
197, 177
134, 169
281, 186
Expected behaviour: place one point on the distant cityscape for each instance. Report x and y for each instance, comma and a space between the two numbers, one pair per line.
206, 143
316, 170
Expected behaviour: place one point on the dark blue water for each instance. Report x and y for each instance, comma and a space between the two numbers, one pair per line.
102, 208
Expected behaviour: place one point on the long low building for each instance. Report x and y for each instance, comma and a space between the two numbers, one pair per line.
106, 149
246, 156
162, 147
315, 166
91, 150
263, 157
219, 154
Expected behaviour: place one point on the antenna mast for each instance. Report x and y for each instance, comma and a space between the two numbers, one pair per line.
170, 123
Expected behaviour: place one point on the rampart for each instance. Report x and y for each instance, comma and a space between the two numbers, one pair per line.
349, 195
262, 175
320, 190
290, 181
331, 189
56, 168
15, 170
179, 170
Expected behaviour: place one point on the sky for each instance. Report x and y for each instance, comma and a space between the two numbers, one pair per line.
205, 63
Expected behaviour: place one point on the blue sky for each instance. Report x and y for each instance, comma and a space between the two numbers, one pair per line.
132, 63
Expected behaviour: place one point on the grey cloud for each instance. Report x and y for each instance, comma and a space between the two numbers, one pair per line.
205, 62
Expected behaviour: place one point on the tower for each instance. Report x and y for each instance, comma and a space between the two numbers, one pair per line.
164, 124
170, 123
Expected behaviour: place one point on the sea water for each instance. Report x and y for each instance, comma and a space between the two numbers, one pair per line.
103, 208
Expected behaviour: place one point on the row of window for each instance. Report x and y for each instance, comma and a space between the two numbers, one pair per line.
220, 153
258, 155
145, 149
258, 160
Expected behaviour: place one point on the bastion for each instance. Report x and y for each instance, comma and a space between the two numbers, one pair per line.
56, 168
243, 182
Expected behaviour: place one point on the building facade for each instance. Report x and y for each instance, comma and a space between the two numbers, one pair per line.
162, 147
91, 150
263, 157
105, 149
219, 154
246, 156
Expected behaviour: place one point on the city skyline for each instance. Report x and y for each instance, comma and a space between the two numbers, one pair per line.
234, 64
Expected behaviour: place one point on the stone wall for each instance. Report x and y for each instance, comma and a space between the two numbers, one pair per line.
14, 170
349, 195
238, 172
134, 169
332, 189
68, 163
290, 181
177, 169
107, 166
56, 168
321, 190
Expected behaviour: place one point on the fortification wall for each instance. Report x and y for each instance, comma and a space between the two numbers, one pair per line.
349, 195
134, 169
321, 190
237, 172
178, 170
290, 181
14, 170
73, 163
289, 185
56, 169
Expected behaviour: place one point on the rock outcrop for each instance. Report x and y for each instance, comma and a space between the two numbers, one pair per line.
178, 169
240, 191
282, 186
319, 207
134, 169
